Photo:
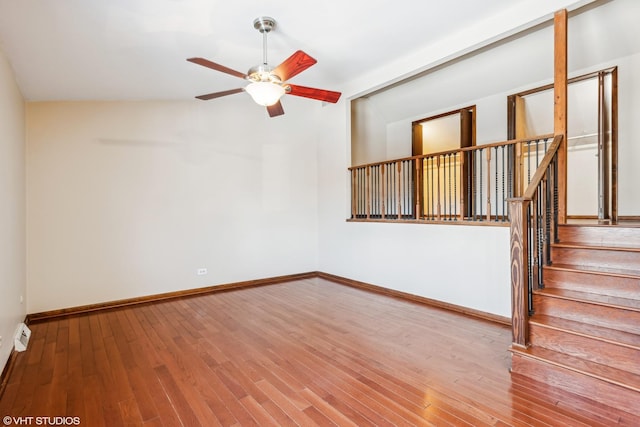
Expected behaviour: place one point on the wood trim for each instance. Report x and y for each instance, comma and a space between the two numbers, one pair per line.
416, 139
415, 298
623, 218
448, 113
603, 154
74, 311
520, 118
571, 80
6, 372
468, 127
484, 222
614, 145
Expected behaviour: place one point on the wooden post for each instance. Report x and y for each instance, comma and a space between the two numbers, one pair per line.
519, 207
418, 188
463, 184
614, 146
398, 195
367, 190
353, 193
384, 191
560, 107
489, 184
438, 185
518, 171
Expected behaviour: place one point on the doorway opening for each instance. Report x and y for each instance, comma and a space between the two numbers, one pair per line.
445, 132
592, 150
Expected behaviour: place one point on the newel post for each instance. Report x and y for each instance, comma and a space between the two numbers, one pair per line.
518, 209
560, 107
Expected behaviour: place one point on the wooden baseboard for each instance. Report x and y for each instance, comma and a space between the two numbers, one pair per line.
8, 367
416, 299
75, 311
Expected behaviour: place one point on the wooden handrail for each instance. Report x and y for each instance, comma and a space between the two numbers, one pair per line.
542, 167
457, 150
520, 246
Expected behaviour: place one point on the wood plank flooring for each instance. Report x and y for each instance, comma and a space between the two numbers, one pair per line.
309, 352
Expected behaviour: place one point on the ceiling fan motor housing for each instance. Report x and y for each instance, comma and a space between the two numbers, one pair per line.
263, 73
264, 24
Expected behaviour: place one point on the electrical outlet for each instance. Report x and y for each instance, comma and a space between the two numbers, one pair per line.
202, 271
0, 341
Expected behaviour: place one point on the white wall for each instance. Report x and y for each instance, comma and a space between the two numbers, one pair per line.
419, 259
12, 201
424, 259
127, 199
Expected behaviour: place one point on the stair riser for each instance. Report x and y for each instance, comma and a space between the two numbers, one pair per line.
599, 235
608, 317
625, 287
602, 352
596, 258
583, 385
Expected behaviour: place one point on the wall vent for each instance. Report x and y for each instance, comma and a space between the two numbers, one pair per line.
21, 338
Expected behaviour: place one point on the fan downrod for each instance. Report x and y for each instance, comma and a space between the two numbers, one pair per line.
264, 24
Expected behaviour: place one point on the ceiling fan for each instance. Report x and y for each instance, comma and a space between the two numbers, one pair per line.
268, 84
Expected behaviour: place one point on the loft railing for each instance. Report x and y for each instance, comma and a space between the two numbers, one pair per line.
468, 185
534, 220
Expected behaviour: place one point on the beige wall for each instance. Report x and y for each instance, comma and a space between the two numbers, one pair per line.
127, 199
12, 211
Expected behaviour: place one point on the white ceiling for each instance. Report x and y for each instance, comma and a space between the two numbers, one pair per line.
136, 49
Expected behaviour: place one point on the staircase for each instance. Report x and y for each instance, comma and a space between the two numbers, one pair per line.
585, 330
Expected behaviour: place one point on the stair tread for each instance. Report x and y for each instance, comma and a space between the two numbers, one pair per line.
599, 332
601, 299
619, 225
618, 246
606, 373
623, 272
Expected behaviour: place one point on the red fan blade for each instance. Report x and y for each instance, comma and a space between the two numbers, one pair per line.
217, 67
219, 94
294, 65
275, 109
313, 93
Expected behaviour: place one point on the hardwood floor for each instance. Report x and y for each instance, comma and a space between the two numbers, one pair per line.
309, 352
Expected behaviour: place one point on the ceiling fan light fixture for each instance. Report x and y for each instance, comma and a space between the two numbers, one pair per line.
266, 83
265, 93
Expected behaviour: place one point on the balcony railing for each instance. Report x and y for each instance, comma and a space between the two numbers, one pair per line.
465, 185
